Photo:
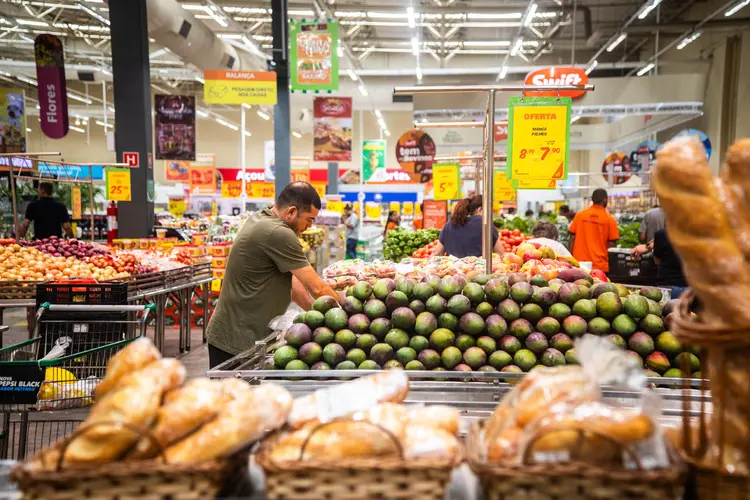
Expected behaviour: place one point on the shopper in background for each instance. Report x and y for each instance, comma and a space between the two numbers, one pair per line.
545, 233
266, 269
564, 218
668, 264
652, 222
392, 222
351, 221
418, 221
462, 235
50, 217
510, 213
593, 231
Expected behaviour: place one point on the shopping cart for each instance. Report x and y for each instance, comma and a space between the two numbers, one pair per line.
42, 400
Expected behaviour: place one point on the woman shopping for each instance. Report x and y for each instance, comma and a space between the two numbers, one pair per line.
462, 235
392, 223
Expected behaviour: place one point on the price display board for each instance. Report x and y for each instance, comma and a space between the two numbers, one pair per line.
503, 189
536, 184
435, 214
538, 138
177, 206
75, 194
231, 189
446, 179
118, 184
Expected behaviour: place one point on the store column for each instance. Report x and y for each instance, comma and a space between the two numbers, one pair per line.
333, 178
281, 120
132, 89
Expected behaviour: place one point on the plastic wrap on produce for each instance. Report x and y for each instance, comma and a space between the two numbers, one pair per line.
283, 322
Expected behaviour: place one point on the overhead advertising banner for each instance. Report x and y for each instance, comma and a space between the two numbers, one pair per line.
332, 129
202, 175
12, 122
701, 137
434, 214
446, 180
239, 87
53, 92
561, 75
178, 171
174, 120
415, 152
616, 168
643, 158
538, 138
314, 55
373, 157
73, 172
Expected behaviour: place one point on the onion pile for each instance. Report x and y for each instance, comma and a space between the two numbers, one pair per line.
64, 248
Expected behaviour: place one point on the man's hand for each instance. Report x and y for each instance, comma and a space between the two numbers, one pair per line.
638, 251
300, 295
312, 282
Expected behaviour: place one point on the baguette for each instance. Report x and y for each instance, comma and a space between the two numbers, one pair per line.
734, 190
700, 231
136, 355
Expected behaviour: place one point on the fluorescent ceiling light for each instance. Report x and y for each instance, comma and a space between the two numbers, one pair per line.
378, 113
530, 15
351, 74
434, 32
263, 115
79, 98
575, 118
158, 53
201, 113
507, 15
105, 125
340, 50
387, 133
105, 72
503, 72
297, 134
248, 134
28, 129
645, 69
31, 22
452, 31
199, 79
94, 14
612, 46
382, 124
246, 105
362, 90
689, 39
415, 46
191, 6
487, 43
385, 15
218, 17
737, 8
419, 73
77, 129
516, 47
410, 14
591, 67
226, 124
648, 8
301, 13
30, 81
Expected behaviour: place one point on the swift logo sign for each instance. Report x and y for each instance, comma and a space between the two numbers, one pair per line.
556, 76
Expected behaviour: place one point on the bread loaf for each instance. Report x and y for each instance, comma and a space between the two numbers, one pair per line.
133, 357
240, 422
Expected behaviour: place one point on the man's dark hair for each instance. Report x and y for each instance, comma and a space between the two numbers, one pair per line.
545, 229
529, 213
46, 188
564, 209
348, 206
511, 210
299, 194
599, 196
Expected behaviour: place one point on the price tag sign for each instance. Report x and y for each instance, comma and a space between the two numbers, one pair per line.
446, 179
75, 194
372, 210
504, 189
408, 208
395, 206
118, 184
260, 190
231, 189
335, 206
538, 137
320, 187
216, 286
177, 206
537, 184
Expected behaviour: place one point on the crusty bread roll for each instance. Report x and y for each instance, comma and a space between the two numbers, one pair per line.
133, 357
241, 421
435, 416
184, 410
338, 401
430, 442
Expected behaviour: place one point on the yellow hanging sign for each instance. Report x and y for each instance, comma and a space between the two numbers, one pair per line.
408, 208
335, 206
231, 189
503, 189
118, 184
239, 87
260, 190
537, 184
395, 206
372, 210
538, 137
76, 200
177, 207
446, 179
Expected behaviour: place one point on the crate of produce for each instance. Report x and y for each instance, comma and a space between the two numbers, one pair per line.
82, 291
152, 435
355, 448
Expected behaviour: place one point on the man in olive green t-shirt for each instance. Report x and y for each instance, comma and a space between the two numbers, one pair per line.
265, 271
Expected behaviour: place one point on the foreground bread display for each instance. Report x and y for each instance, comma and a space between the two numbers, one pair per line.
708, 223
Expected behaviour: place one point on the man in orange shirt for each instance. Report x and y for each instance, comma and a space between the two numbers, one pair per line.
593, 231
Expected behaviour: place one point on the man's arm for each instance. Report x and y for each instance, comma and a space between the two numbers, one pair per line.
68, 229
300, 296
614, 233
571, 241
312, 282
23, 228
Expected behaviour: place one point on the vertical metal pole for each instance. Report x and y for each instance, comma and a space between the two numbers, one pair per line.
12, 181
281, 114
479, 188
91, 200
489, 165
104, 107
243, 157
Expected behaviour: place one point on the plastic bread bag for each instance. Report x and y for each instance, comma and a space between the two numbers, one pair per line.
283, 322
325, 405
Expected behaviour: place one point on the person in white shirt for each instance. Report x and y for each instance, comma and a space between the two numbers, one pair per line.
351, 221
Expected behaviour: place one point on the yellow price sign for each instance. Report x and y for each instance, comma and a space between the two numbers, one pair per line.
394, 206
503, 189
537, 184
335, 206
231, 189
408, 208
538, 137
372, 210
320, 187
177, 206
216, 285
446, 179
118, 184
75, 194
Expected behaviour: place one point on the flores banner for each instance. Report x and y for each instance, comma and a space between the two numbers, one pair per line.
314, 55
175, 127
53, 93
12, 123
332, 129
415, 152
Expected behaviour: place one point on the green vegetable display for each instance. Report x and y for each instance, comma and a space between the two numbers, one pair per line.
400, 242
629, 234
520, 223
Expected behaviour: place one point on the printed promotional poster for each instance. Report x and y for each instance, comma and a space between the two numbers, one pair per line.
174, 122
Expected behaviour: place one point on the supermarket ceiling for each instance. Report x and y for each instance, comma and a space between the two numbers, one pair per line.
437, 39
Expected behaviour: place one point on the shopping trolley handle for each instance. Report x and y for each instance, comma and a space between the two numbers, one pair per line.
97, 308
